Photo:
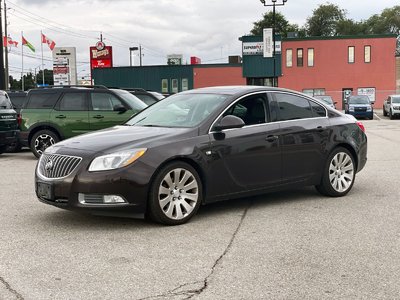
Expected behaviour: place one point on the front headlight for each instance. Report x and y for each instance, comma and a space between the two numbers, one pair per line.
369, 108
116, 160
351, 108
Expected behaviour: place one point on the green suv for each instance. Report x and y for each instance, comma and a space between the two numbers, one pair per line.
52, 114
8, 122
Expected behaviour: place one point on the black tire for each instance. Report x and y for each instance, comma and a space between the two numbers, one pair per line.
3, 149
340, 165
391, 115
384, 112
42, 140
171, 201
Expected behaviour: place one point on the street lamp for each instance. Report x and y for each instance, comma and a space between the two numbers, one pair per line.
274, 3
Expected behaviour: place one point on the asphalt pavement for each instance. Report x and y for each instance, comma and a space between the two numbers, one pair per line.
289, 245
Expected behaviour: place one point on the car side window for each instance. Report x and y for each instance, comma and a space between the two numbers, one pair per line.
42, 100
73, 101
104, 101
317, 110
250, 109
292, 107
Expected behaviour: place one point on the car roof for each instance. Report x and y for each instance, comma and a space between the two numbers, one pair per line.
234, 90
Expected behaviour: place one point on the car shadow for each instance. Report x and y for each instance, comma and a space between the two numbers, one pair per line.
74, 220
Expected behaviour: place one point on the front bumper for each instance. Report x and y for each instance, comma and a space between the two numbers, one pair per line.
8, 137
131, 183
362, 114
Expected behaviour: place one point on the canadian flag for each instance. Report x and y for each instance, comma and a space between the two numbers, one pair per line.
8, 42
46, 40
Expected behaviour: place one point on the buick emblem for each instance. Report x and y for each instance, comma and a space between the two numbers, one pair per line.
48, 166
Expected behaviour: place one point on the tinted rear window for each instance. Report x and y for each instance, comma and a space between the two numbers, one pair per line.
5, 103
42, 100
18, 100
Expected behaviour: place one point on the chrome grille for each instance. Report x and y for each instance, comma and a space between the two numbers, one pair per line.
57, 166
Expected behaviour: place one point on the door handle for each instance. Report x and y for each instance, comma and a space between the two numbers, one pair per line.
271, 138
61, 117
321, 128
98, 117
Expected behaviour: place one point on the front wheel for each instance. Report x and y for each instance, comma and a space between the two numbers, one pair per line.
42, 140
384, 112
391, 115
175, 195
339, 174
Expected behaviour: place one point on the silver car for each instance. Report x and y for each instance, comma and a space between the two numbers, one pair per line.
391, 106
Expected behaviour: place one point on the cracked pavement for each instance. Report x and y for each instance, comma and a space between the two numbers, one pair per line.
287, 245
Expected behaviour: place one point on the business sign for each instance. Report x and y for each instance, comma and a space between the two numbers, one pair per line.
101, 56
268, 42
174, 59
257, 48
370, 92
64, 66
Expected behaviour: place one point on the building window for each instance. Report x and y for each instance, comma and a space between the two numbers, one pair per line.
310, 57
185, 84
300, 57
164, 85
350, 57
289, 58
367, 54
314, 92
174, 85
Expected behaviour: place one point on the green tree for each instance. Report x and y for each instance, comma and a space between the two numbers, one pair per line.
324, 20
48, 77
350, 27
387, 22
282, 25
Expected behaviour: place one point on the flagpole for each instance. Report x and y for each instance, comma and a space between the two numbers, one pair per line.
41, 45
22, 56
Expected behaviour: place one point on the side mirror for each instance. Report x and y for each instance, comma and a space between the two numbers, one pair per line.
229, 122
335, 102
120, 108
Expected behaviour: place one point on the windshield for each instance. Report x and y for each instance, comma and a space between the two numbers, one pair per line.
180, 110
396, 99
5, 102
359, 100
326, 99
133, 101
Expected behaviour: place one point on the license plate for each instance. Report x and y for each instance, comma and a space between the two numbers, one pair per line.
45, 190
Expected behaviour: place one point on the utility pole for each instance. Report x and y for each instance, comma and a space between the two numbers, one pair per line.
6, 73
140, 54
2, 73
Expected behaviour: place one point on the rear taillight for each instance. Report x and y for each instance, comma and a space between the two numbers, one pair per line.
19, 120
361, 125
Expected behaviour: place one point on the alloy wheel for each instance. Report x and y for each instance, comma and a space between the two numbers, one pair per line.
178, 193
42, 142
341, 172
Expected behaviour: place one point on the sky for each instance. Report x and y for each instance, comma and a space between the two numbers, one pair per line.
208, 29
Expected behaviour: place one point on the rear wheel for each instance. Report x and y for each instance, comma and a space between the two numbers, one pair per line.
3, 149
175, 195
384, 112
42, 140
339, 174
391, 115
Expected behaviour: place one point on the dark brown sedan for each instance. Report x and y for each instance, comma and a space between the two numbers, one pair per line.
202, 146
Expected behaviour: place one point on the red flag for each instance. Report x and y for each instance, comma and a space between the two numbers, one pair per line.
49, 42
8, 42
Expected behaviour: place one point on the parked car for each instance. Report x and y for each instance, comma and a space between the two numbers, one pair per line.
391, 106
359, 106
18, 99
52, 114
327, 100
202, 146
147, 97
8, 122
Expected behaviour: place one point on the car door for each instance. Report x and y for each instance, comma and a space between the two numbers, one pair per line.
246, 158
303, 136
103, 113
70, 114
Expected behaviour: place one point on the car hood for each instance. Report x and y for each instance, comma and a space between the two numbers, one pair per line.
120, 138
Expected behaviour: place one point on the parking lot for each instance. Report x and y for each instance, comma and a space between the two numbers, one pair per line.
288, 245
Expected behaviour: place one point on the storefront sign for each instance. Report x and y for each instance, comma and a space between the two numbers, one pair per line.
100, 56
268, 42
257, 48
64, 66
370, 92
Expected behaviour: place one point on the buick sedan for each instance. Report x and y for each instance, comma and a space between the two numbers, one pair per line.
202, 146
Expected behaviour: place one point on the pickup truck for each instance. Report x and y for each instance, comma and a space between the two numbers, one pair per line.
391, 106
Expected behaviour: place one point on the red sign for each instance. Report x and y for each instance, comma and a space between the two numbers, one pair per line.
60, 70
101, 58
195, 60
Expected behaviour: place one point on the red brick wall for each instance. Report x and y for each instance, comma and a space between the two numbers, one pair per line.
204, 77
332, 71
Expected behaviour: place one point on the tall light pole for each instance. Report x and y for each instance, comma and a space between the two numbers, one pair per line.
130, 54
274, 3
2, 71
